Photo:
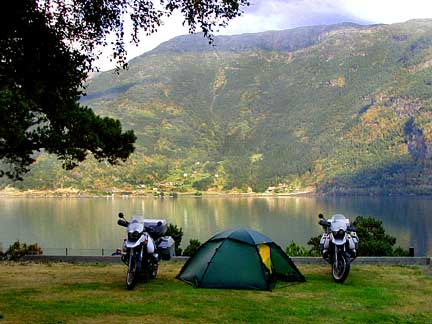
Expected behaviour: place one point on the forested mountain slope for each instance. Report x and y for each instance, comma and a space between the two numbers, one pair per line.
342, 108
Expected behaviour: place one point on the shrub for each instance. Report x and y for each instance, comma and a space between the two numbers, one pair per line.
177, 234
314, 242
197, 194
293, 249
203, 184
192, 248
373, 241
18, 250
400, 252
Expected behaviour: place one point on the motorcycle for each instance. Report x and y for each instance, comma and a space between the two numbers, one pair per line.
144, 246
338, 245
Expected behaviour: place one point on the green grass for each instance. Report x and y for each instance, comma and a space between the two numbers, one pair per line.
62, 293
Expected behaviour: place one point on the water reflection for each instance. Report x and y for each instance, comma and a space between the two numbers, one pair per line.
91, 223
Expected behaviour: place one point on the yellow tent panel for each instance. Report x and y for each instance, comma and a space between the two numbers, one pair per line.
264, 252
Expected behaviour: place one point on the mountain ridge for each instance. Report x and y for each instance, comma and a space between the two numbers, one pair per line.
248, 41
346, 110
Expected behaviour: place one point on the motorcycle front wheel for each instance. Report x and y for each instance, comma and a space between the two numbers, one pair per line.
341, 268
131, 273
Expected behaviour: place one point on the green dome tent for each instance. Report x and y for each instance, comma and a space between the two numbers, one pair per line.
239, 258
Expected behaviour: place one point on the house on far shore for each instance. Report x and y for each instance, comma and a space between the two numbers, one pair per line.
270, 189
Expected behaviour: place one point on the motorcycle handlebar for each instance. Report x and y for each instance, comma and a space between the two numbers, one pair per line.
324, 223
123, 222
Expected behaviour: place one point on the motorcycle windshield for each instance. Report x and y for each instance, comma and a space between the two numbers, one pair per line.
336, 225
136, 224
137, 219
339, 217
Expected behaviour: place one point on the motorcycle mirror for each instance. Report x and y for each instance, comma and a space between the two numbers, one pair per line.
120, 215
122, 222
320, 216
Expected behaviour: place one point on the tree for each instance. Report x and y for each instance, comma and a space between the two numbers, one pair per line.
373, 239
203, 184
47, 49
88, 23
192, 248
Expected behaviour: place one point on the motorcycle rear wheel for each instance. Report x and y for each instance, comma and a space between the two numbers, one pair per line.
153, 270
150, 271
341, 270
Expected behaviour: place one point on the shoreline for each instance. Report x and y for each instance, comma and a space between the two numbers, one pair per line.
64, 193
118, 194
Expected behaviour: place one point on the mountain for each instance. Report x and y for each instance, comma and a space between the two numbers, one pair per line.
338, 109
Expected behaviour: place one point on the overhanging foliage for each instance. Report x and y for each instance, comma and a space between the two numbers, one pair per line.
46, 51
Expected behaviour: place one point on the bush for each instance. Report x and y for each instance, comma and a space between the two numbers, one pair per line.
373, 241
400, 252
192, 248
293, 249
177, 234
197, 194
314, 242
203, 184
18, 250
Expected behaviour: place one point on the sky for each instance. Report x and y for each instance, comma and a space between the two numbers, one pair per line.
264, 15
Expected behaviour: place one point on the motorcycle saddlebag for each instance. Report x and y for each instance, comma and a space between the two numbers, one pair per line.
353, 241
156, 227
165, 247
324, 242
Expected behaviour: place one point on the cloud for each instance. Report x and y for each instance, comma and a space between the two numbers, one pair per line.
389, 11
279, 14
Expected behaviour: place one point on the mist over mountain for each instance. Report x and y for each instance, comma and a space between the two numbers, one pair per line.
338, 109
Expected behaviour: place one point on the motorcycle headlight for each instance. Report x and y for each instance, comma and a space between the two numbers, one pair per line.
339, 234
133, 236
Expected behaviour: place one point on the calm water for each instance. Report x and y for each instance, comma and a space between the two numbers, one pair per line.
79, 224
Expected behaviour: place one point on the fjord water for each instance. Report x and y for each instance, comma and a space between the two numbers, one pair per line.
87, 225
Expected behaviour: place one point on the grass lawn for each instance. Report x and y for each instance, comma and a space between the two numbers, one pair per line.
64, 293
